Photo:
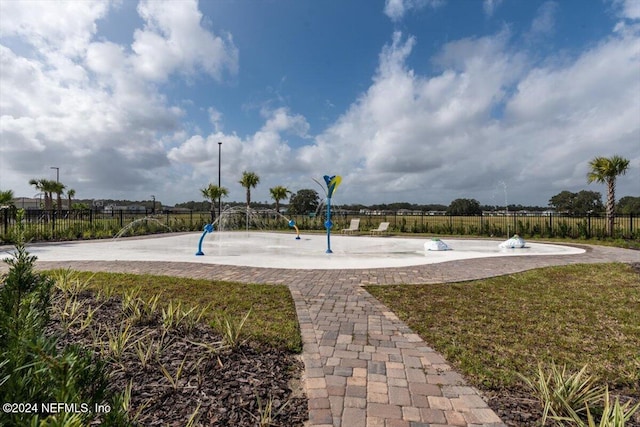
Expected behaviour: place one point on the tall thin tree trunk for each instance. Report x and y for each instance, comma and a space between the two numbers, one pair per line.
248, 204
611, 205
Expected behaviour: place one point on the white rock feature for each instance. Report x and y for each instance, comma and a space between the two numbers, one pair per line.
436, 244
513, 243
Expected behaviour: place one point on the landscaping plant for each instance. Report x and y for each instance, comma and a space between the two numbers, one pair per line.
576, 399
33, 370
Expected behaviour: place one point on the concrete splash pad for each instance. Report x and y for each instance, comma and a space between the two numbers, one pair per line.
282, 250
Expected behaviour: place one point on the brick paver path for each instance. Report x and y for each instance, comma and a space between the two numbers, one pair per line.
363, 366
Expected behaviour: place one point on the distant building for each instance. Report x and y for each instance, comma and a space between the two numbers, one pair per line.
28, 203
129, 208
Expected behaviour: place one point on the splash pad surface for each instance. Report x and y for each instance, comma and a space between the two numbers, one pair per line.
282, 250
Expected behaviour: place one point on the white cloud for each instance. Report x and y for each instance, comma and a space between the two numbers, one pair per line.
490, 6
83, 104
215, 117
396, 9
266, 152
629, 9
47, 24
440, 137
544, 22
174, 40
281, 121
105, 57
406, 128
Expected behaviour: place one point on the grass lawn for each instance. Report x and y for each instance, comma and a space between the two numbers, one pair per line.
272, 320
491, 329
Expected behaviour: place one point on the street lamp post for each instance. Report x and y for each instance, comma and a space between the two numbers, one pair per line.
219, 174
57, 172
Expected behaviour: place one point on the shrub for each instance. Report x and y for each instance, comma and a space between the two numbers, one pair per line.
33, 370
575, 397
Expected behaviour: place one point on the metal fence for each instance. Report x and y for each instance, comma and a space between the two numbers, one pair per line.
502, 225
41, 225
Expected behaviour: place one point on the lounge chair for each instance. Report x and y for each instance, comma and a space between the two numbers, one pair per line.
382, 228
353, 227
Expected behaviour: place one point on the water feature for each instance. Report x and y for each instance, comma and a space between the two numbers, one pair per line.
516, 242
332, 183
207, 229
280, 250
436, 244
229, 220
234, 218
138, 221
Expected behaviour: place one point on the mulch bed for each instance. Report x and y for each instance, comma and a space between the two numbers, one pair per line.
515, 407
228, 387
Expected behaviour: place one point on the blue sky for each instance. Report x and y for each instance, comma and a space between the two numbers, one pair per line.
409, 100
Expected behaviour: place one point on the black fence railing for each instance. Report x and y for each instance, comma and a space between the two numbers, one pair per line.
502, 225
74, 224
41, 225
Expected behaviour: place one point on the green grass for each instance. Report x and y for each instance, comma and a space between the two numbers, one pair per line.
272, 321
490, 329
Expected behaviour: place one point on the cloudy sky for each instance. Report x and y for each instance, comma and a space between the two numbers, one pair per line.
408, 100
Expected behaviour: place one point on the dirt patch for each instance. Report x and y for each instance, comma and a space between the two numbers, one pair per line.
178, 373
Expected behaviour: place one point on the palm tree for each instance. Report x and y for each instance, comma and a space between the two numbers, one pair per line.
48, 187
6, 198
249, 180
58, 188
606, 170
39, 184
70, 193
279, 193
213, 192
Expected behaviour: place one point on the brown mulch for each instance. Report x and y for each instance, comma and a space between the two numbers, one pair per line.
515, 407
228, 387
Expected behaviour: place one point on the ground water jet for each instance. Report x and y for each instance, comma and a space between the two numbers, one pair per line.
132, 224
222, 220
208, 228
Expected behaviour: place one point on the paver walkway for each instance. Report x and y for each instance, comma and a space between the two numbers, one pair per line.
363, 366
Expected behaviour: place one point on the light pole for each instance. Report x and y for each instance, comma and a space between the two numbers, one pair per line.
57, 172
219, 174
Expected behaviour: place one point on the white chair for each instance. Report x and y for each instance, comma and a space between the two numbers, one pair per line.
353, 227
382, 228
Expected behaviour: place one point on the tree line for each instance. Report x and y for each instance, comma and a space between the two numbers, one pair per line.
602, 170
